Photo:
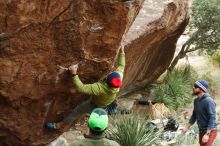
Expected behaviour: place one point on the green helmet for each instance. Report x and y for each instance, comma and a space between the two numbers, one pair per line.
98, 120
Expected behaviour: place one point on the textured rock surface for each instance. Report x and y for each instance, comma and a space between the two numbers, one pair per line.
155, 36
37, 36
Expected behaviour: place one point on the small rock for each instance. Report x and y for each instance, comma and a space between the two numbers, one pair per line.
125, 105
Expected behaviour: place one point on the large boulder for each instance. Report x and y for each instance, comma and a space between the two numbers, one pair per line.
36, 37
151, 41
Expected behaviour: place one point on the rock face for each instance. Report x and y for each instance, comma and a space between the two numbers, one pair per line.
36, 37
151, 41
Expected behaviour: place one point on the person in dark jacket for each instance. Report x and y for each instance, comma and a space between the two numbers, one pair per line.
102, 93
204, 113
97, 123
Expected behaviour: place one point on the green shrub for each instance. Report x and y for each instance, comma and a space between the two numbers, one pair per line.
216, 57
176, 91
132, 131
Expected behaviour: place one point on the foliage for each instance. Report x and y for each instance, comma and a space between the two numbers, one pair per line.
212, 84
132, 131
205, 28
216, 57
176, 90
206, 22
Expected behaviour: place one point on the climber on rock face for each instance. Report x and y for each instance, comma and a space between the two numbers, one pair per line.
102, 93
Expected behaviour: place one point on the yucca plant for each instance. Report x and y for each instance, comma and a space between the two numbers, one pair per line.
132, 131
176, 90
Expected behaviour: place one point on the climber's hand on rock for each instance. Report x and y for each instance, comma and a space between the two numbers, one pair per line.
73, 69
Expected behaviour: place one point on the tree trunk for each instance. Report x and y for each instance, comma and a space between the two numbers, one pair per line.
181, 55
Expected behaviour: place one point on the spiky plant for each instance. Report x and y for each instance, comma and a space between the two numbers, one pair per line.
132, 131
176, 90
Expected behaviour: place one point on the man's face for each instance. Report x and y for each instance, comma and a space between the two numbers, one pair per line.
196, 90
